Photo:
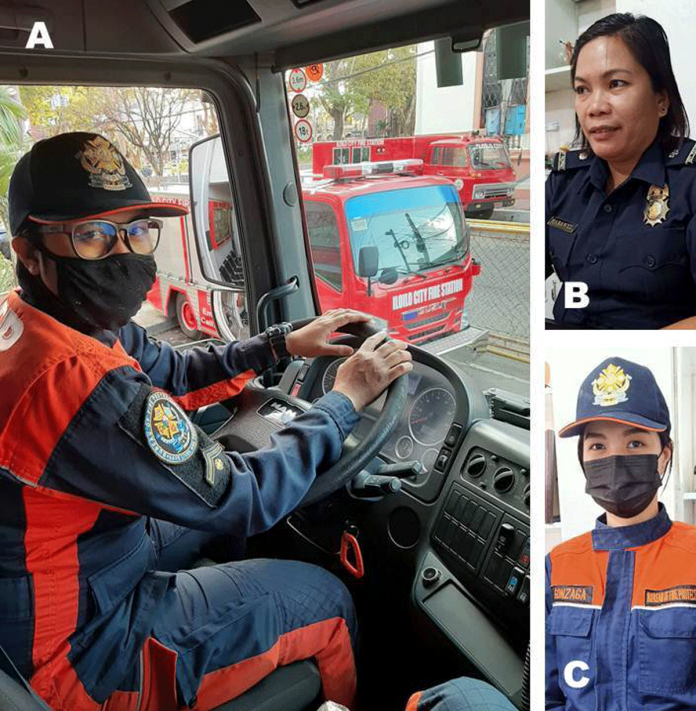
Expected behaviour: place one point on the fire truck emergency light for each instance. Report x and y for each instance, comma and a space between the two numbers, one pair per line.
360, 170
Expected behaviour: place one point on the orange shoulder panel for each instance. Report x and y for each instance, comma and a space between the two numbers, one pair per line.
577, 568
45, 377
665, 570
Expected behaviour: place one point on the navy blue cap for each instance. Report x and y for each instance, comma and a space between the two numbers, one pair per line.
77, 176
618, 390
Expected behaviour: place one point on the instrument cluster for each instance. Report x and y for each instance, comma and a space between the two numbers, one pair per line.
425, 421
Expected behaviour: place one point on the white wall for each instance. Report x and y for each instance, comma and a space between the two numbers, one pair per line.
569, 367
447, 109
678, 17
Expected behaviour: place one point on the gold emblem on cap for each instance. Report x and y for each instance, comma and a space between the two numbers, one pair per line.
656, 207
610, 386
104, 164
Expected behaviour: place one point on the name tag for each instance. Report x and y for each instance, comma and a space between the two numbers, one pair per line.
568, 227
579, 594
681, 594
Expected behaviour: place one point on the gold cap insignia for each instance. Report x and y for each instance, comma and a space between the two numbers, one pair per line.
656, 207
610, 386
104, 164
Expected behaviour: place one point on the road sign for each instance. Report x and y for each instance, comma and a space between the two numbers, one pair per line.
303, 130
300, 105
315, 72
297, 80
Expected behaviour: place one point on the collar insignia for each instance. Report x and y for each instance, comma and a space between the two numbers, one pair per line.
104, 164
657, 206
610, 386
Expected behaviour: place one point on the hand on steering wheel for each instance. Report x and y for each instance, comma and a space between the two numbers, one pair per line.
372, 368
310, 341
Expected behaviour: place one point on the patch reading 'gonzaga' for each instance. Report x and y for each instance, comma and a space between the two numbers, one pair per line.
578, 594
681, 594
168, 431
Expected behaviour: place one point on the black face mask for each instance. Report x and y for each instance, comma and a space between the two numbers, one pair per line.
623, 485
103, 294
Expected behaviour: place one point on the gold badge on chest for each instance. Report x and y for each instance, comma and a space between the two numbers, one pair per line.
657, 205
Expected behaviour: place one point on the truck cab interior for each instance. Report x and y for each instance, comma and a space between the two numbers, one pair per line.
438, 559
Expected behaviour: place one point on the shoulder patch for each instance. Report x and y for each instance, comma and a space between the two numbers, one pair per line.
203, 466
168, 431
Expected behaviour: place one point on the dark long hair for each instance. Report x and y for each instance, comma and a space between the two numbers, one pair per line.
647, 42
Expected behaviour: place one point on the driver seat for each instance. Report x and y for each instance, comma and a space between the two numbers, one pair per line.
295, 687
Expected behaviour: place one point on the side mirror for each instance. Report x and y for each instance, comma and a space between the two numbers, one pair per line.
388, 276
368, 261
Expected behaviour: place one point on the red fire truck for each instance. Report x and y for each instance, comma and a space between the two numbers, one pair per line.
383, 241
478, 165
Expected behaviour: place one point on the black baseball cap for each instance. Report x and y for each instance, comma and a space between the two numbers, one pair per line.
618, 390
77, 176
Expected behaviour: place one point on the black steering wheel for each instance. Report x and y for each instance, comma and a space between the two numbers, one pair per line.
248, 429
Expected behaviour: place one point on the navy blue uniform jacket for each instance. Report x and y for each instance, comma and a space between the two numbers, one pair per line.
80, 474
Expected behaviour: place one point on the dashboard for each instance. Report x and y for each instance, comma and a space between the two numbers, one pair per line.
457, 535
430, 410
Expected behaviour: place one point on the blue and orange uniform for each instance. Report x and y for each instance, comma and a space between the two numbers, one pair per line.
621, 618
634, 248
101, 471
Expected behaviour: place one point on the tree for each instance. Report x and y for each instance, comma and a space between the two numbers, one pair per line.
144, 118
11, 147
390, 78
352, 86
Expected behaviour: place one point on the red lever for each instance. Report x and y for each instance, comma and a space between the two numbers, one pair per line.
349, 541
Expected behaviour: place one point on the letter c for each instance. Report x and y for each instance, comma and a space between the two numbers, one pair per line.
570, 679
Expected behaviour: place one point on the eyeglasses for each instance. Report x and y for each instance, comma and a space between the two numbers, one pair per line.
96, 239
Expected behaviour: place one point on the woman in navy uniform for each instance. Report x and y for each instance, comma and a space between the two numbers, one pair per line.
620, 209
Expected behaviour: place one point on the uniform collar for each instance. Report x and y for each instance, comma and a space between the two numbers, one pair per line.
608, 538
650, 169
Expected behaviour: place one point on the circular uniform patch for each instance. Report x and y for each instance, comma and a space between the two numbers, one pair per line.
168, 431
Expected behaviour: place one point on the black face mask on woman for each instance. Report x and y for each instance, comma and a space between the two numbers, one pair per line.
100, 294
623, 485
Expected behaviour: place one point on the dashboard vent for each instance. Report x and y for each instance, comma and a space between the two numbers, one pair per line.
503, 479
202, 20
526, 496
475, 466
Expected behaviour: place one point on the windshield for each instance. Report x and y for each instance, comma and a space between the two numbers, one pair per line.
488, 156
413, 228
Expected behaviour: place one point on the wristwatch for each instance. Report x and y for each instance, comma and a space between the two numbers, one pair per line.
276, 338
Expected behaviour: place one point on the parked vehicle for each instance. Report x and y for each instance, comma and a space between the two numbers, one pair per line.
391, 244
478, 165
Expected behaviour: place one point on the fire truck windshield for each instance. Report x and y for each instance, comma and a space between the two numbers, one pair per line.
488, 156
412, 228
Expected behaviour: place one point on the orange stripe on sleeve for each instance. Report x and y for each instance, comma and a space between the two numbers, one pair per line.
215, 392
413, 702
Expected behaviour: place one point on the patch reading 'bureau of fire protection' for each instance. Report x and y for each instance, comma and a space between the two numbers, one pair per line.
568, 227
578, 594
682, 594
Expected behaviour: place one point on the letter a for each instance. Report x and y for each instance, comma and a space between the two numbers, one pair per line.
39, 36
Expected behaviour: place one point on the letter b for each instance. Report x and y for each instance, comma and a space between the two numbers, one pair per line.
575, 295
